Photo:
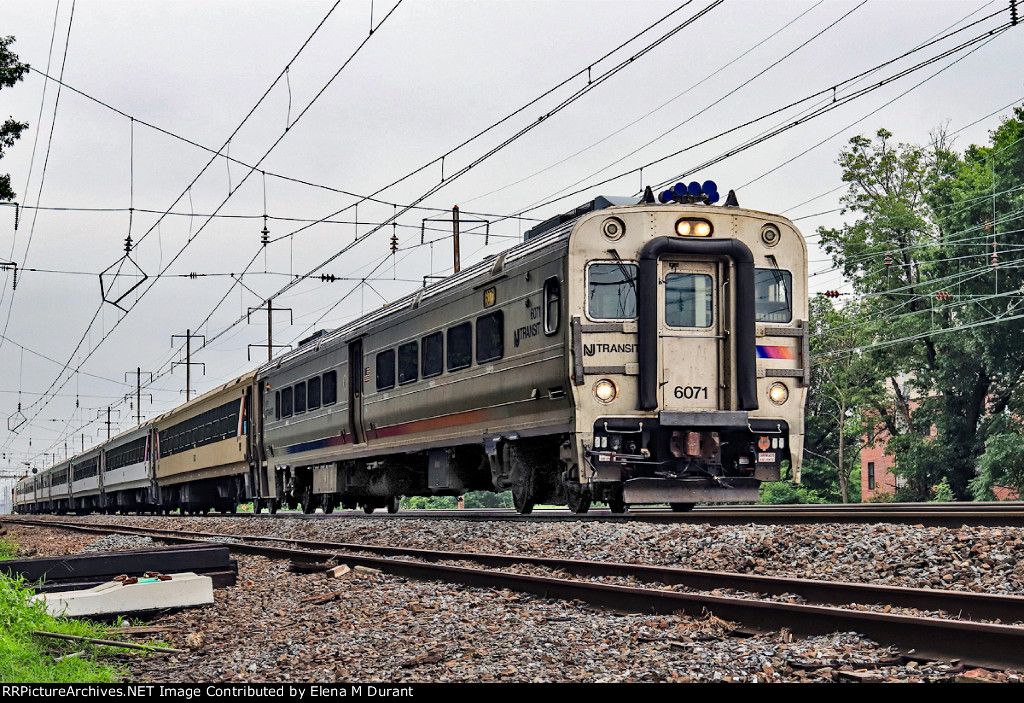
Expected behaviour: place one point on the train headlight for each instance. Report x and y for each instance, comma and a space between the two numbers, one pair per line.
605, 391
693, 228
778, 393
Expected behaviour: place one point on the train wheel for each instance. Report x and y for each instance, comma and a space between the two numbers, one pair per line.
327, 504
368, 509
308, 505
579, 501
618, 506
681, 507
522, 505
392, 504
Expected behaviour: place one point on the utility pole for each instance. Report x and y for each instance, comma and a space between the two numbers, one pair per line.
270, 327
188, 363
457, 223
138, 392
107, 422
455, 236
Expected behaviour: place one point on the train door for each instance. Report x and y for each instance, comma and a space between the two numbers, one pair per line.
355, 390
690, 336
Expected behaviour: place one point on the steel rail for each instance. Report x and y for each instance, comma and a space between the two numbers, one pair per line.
963, 604
978, 644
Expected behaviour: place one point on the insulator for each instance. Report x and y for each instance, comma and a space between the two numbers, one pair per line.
888, 258
265, 233
128, 244
17, 216
1013, 12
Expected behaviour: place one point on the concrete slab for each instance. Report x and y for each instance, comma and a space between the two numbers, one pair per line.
116, 598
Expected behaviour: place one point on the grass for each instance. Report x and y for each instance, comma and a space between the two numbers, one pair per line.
25, 658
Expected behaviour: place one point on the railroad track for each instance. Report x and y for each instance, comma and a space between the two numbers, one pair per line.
826, 606
995, 514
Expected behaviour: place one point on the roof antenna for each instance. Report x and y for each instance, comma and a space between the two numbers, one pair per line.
731, 200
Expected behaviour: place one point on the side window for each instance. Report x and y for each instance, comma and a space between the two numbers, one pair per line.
313, 393
490, 336
552, 305
286, 402
386, 370
330, 388
433, 355
611, 291
460, 346
408, 362
277, 405
300, 397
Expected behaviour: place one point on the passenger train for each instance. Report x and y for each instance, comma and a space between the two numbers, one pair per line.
625, 353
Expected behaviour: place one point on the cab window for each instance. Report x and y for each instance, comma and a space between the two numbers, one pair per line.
773, 295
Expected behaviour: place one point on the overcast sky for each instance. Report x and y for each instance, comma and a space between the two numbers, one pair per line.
431, 75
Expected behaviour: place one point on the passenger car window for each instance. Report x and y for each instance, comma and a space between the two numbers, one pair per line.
286, 402
330, 388
490, 336
689, 299
300, 397
386, 370
408, 362
313, 393
611, 291
460, 346
433, 355
772, 295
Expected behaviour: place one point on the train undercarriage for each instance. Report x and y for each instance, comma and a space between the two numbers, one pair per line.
624, 463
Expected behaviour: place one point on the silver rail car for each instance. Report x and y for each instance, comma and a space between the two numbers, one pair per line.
629, 354
623, 353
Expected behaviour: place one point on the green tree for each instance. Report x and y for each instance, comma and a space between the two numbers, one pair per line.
1002, 465
939, 313
488, 499
841, 382
11, 71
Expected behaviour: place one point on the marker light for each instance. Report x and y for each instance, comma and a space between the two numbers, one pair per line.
666, 196
693, 228
709, 187
770, 235
605, 391
778, 393
680, 189
613, 228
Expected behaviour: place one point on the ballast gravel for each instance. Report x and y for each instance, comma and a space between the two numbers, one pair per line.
391, 629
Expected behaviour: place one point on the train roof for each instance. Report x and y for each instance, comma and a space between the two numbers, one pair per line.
539, 237
247, 377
